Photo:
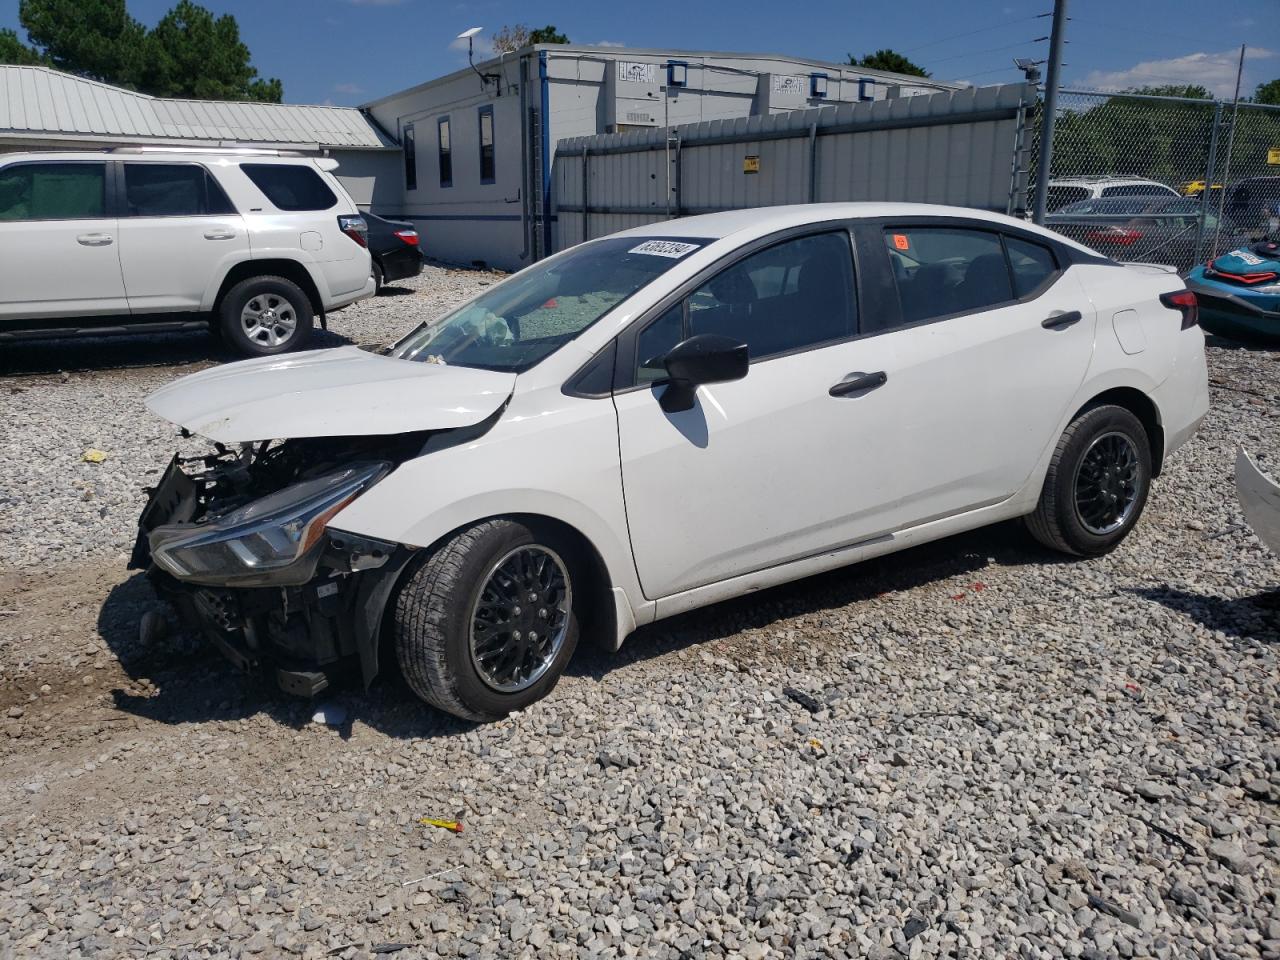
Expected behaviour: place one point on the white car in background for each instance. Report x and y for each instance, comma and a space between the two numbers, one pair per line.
661, 419
252, 245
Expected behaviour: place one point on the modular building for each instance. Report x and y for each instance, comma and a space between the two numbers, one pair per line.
478, 144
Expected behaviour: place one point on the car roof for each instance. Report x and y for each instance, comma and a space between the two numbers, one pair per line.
1082, 181
168, 156
747, 224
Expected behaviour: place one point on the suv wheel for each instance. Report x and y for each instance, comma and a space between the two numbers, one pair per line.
262, 316
1097, 483
486, 623
376, 271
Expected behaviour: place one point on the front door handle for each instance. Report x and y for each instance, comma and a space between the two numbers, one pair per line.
219, 234
859, 383
94, 239
1060, 321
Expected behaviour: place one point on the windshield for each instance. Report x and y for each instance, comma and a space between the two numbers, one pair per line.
541, 308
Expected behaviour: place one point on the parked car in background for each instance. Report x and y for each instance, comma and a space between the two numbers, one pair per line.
252, 245
394, 249
1065, 190
1161, 230
1255, 203
660, 419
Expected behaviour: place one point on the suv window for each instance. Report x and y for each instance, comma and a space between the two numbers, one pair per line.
793, 295
1032, 265
172, 190
944, 270
53, 191
1061, 196
292, 187
1137, 190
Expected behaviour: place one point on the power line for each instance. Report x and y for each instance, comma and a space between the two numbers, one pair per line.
971, 33
975, 53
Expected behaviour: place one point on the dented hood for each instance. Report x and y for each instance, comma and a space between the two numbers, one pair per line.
329, 393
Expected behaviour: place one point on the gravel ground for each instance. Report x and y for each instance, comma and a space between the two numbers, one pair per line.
971, 749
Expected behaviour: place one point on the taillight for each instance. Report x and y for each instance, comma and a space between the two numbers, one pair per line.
1113, 236
355, 228
1184, 301
408, 236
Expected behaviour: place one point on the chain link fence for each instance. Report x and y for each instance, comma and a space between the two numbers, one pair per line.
1161, 179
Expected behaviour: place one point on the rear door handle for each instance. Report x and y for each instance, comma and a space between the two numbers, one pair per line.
859, 383
219, 234
94, 239
1060, 321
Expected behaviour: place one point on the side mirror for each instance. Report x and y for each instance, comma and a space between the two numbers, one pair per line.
705, 358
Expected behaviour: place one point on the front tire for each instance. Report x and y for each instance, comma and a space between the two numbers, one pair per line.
486, 622
263, 316
1097, 483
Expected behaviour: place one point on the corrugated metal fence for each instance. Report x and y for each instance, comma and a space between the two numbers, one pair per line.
964, 148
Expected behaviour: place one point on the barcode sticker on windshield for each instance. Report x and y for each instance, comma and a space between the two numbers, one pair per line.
665, 248
1251, 259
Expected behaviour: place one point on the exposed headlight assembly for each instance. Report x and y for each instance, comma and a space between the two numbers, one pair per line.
273, 541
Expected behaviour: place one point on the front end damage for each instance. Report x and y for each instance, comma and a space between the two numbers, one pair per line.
238, 541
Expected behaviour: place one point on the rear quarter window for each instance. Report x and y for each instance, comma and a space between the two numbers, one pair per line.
292, 187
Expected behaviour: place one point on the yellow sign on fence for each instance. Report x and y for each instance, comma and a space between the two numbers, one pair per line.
1273, 156
752, 164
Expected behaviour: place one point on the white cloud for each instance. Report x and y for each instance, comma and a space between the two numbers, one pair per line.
347, 88
607, 43
1214, 71
375, 3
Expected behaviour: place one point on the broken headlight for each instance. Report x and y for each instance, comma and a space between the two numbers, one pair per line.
275, 540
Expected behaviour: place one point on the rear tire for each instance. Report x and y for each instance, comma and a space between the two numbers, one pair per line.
377, 278
468, 616
1097, 484
263, 316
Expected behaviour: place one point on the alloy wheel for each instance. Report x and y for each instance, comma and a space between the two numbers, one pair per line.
268, 319
520, 619
1106, 486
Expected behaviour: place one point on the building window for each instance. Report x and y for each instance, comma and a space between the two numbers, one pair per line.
446, 152
410, 159
487, 169
817, 86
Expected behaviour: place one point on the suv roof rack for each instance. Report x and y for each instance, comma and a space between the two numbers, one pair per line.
245, 151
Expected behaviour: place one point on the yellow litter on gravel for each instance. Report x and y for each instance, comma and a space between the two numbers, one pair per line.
94, 456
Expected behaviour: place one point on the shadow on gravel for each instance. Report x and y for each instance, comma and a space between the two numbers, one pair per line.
393, 291
189, 682
1249, 618
965, 554
128, 352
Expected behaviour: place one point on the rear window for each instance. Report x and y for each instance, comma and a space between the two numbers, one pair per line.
172, 190
292, 187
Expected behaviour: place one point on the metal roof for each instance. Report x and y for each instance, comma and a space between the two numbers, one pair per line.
42, 104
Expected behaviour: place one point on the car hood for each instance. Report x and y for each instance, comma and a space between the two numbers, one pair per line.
329, 393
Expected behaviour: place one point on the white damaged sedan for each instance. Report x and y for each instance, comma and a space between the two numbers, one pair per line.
658, 420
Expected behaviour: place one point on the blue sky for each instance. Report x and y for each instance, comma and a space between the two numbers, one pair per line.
351, 51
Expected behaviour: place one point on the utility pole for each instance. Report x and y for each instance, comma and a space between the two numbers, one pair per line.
1050, 110
1226, 170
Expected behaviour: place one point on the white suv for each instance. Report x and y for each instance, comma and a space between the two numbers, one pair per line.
1065, 190
252, 245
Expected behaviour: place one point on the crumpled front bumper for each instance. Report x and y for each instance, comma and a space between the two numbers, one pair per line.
302, 636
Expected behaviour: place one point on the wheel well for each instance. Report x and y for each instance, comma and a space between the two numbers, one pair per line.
1142, 407
599, 618
289, 269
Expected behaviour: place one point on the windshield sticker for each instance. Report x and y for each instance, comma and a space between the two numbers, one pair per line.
665, 248
1251, 259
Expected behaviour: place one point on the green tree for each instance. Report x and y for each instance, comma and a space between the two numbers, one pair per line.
93, 38
188, 54
1190, 91
1268, 92
192, 54
890, 61
547, 34
13, 50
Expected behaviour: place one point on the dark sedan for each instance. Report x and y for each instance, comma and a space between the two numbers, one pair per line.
394, 248
1162, 230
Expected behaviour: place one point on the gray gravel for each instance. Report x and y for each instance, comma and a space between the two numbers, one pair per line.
972, 749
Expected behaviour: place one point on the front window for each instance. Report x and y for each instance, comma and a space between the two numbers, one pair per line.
537, 311
52, 191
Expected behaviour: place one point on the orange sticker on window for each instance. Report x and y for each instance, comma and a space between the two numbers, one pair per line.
901, 242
